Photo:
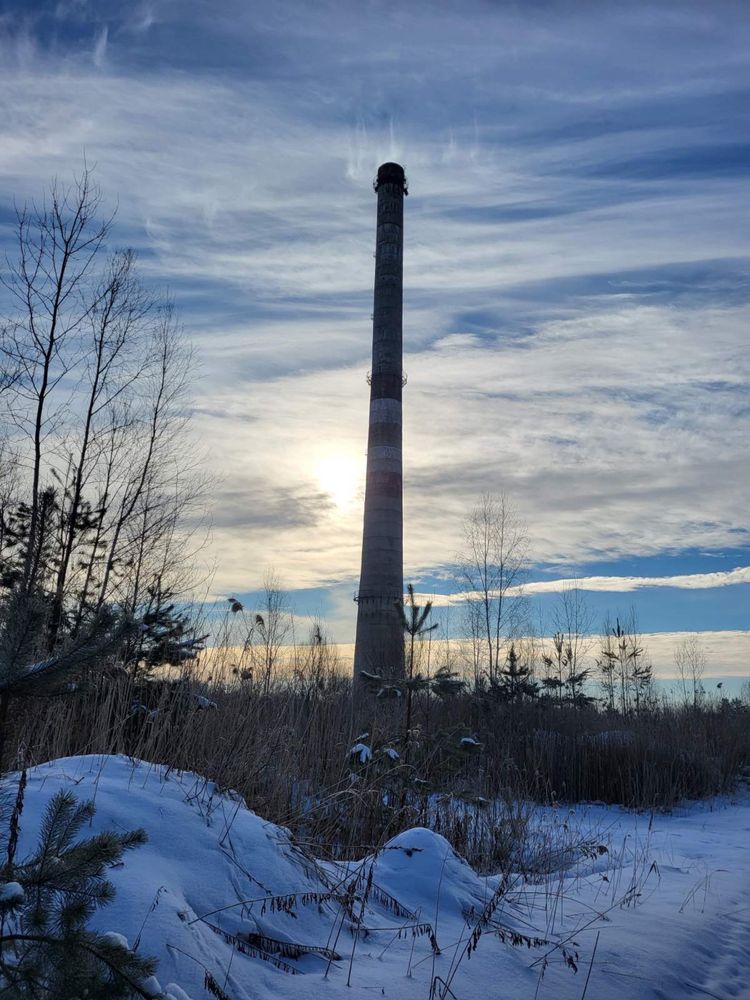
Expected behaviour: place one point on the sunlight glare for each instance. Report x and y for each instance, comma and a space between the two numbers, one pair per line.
338, 476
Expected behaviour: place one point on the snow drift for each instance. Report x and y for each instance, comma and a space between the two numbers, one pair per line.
230, 906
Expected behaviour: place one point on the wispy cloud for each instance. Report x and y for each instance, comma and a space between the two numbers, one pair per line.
100, 47
576, 266
625, 584
604, 584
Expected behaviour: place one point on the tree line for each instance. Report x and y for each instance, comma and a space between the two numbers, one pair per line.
504, 655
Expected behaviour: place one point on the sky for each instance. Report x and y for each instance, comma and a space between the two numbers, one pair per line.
576, 271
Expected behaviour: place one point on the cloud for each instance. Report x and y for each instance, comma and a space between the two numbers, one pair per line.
727, 653
576, 255
606, 584
624, 584
100, 47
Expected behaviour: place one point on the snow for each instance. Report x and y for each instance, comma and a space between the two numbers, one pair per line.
204, 703
650, 905
470, 742
173, 992
362, 751
11, 893
116, 940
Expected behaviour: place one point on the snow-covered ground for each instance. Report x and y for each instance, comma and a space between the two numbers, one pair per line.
224, 899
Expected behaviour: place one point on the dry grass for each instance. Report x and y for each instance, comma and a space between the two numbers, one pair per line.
286, 750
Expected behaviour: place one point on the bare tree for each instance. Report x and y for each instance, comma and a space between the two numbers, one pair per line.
492, 566
272, 625
57, 246
94, 374
114, 363
572, 639
111, 458
690, 661
153, 438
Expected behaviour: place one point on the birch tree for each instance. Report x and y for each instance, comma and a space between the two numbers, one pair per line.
491, 569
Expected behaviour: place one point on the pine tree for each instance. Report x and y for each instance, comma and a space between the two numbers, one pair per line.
565, 680
167, 635
622, 666
25, 670
446, 683
47, 949
642, 677
556, 665
516, 682
22, 547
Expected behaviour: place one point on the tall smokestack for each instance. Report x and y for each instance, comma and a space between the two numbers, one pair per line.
380, 640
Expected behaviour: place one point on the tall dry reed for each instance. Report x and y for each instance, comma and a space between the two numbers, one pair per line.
286, 750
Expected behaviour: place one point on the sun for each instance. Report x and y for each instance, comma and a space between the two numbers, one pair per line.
338, 476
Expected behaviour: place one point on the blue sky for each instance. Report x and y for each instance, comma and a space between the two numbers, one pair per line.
577, 281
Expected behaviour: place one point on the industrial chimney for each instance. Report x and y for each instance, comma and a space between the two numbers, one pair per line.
379, 645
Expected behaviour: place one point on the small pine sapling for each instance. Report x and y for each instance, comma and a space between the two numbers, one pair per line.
47, 949
446, 683
516, 681
414, 623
